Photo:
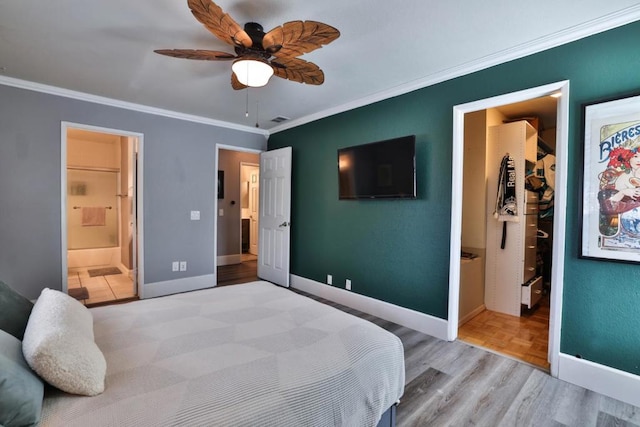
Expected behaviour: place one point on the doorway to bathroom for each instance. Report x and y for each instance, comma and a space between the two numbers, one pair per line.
100, 212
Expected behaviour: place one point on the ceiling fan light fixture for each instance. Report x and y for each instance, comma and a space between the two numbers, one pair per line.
254, 49
252, 72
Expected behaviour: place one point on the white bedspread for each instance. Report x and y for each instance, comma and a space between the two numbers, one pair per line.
243, 355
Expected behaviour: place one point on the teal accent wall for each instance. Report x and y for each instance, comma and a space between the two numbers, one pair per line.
398, 251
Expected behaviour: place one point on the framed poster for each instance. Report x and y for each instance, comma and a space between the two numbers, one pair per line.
611, 181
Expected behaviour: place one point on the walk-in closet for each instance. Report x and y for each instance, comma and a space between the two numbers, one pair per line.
507, 229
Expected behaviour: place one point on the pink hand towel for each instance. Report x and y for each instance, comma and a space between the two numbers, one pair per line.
92, 216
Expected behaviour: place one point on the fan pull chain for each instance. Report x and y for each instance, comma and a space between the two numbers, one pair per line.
246, 111
257, 113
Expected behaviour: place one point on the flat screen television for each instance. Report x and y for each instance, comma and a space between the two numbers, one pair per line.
379, 170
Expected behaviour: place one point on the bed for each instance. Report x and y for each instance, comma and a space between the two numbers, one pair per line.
242, 355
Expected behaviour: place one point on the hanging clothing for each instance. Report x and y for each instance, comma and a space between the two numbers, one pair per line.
546, 169
506, 202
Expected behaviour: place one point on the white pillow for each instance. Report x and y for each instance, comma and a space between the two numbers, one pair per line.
58, 344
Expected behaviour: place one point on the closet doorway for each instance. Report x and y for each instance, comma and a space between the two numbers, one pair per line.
491, 313
527, 330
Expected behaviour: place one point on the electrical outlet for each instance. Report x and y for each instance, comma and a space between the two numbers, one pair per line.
183, 265
347, 284
195, 215
175, 266
329, 279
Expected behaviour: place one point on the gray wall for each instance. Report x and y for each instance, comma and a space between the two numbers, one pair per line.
179, 176
229, 225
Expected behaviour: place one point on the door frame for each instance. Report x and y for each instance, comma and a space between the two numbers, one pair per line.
252, 166
215, 201
138, 199
560, 201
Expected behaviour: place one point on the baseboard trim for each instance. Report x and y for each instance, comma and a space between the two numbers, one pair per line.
229, 259
602, 379
420, 322
186, 284
471, 315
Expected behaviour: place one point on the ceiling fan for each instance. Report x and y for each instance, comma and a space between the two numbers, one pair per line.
259, 55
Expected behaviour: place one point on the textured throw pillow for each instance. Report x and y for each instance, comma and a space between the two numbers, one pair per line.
14, 311
58, 344
21, 390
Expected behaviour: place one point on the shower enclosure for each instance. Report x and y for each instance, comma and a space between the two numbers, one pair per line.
92, 217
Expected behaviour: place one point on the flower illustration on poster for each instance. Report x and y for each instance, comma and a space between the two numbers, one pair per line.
611, 200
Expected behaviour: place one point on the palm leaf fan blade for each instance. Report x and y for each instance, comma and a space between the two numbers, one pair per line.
298, 70
219, 23
207, 55
235, 83
298, 37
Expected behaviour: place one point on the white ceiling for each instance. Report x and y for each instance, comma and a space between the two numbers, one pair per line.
105, 48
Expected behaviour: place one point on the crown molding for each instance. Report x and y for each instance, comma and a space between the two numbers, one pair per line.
81, 96
605, 23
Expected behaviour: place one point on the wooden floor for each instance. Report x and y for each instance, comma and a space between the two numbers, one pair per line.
526, 337
457, 384
246, 271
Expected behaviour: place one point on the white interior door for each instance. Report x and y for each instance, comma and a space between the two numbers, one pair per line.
274, 218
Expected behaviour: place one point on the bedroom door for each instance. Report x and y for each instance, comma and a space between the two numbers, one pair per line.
275, 216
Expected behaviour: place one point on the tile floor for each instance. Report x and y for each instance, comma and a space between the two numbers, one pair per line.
101, 288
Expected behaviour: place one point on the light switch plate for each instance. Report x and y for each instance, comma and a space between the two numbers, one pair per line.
195, 215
